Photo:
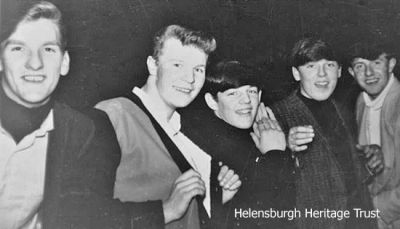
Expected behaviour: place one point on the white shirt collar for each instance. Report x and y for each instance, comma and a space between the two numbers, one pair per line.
174, 123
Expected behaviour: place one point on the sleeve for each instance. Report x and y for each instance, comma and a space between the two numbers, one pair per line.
93, 202
388, 202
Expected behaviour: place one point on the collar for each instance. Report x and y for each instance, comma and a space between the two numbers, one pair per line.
378, 101
172, 126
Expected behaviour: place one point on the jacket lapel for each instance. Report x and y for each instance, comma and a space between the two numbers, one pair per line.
54, 162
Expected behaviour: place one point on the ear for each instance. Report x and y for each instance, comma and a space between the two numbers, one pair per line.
392, 64
1, 65
259, 95
211, 103
65, 64
296, 73
340, 72
152, 66
351, 71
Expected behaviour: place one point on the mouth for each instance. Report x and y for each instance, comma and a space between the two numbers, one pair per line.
185, 90
371, 81
321, 84
34, 78
244, 111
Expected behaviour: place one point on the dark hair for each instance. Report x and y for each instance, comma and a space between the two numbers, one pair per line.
31, 12
311, 49
230, 74
187, 36
370, 50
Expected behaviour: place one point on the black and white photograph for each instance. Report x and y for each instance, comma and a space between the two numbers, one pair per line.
199, 114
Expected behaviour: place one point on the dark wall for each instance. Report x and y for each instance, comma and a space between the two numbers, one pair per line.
109, 40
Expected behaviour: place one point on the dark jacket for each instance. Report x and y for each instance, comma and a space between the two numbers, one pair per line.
267, 180
321, 175
82, 158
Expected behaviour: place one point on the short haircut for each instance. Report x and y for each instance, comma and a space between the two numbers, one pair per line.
230, 74
31, 12
311, 49
187, 36
370, 50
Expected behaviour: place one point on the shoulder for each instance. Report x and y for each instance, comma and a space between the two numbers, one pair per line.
121, 109
115, 105
68, 117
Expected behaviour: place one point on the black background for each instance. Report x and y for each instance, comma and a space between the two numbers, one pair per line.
109, 40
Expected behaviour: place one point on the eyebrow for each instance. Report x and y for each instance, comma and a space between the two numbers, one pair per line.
17, 42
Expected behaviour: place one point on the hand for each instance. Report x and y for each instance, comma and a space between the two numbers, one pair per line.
186, 186
299, 136
229, 181
267, 134
374, 157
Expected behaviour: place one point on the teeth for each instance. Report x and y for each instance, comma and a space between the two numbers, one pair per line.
184, 90
371, 81
244, 111
34, 78
322, 84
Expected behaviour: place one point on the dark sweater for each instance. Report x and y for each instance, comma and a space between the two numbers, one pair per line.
267, 180
328, 119
18, 120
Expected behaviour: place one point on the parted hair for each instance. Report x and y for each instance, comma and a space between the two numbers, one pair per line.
27, 11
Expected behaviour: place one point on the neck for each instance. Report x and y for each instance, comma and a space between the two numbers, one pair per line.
152, 91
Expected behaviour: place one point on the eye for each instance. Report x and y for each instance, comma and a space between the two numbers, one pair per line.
199, 70
51, 49
16, 48
177, 65
359, 67
377, 62
233, 93
331, 64
310, 65
253, 91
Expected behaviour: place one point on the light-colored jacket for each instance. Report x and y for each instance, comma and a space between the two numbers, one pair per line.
385, 188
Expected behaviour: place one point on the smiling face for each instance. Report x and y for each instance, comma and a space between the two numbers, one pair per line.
236, 106
372, 75
318, 79
32, 62
180, 73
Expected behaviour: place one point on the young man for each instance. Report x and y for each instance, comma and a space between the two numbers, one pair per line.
57, 167
378, 120
328, 172
244, 135
154, 151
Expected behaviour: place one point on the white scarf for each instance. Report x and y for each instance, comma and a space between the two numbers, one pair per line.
374, 107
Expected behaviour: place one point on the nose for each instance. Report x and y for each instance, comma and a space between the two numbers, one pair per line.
369, 70
189, 75
245, 98
321, 71
34, 61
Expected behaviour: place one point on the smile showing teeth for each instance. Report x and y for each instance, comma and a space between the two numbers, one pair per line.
182, 89
34, 78
371, 81
321, 84
244, 111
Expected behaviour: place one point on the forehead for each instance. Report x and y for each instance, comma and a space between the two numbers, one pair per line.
244, 87
37, 32
320, 61
174, 50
